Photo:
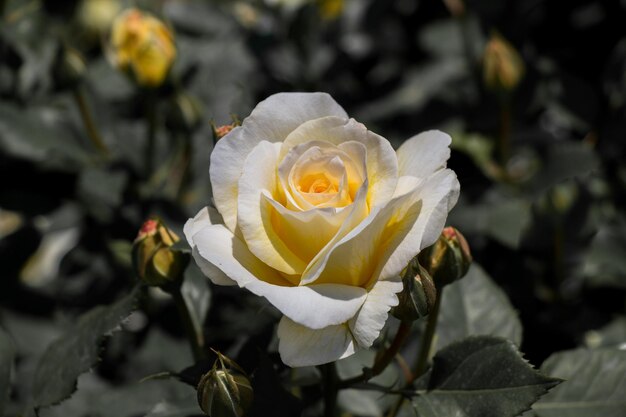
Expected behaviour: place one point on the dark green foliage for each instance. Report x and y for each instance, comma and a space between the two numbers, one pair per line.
76, 351
480, 376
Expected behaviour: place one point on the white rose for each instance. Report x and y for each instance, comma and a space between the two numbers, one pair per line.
320, 216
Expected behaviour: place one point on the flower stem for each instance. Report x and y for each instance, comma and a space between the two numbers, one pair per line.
151, 120
90, 126
331, 388
505, 131
196, 340
424, 352
384, 359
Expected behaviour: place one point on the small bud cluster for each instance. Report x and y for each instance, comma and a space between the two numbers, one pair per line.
438, 265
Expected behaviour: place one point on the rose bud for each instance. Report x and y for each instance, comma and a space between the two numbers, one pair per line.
448, 259
69, 68
503, 67
417, 296
220, 131
225, 390
154, 260
330, 9
95, 16
184, 113
143, 46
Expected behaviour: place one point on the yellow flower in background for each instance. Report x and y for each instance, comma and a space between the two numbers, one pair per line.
320, 216
142, 45
330, 9
503, 67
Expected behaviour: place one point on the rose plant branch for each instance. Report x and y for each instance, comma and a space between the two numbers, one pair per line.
424, 351
382, 360
90, 126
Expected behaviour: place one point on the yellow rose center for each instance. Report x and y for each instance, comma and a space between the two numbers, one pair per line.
318, 184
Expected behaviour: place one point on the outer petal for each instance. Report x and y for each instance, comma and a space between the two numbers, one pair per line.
272, 120
315, 306
301, 346
254, 217
438, 194
382, 163
424, 154
206, 217
370, 320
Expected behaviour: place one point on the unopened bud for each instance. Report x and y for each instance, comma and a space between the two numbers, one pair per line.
330, 9
143, 46
503, 67
184, 113
225, 390
69, 68
220, 131
418, 295
448, 259
155, 262
95, 16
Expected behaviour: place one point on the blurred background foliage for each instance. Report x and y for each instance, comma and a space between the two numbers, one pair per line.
532, 92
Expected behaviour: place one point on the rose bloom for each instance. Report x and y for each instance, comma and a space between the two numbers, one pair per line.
142, 45
320, 216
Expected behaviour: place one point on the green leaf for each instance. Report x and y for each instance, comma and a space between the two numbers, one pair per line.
475, 305
594, 386
184, 406
367, 403
39, 135
102, 191
76, 351
480, 376
197, 295
604, 264
611, 335
7, 355
564, 160
96, 397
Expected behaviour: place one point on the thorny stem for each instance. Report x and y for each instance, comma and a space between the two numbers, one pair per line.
424, 352
90, 126
384, 359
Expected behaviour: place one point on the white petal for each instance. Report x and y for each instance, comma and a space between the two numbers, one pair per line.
352, 154
221, 248
359, 256
438, 194
272, 120
306, 233
358, 212
254, 220
215, 274
424, 154
205, 217
301, 346
315, 306
370, 320
382, 163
